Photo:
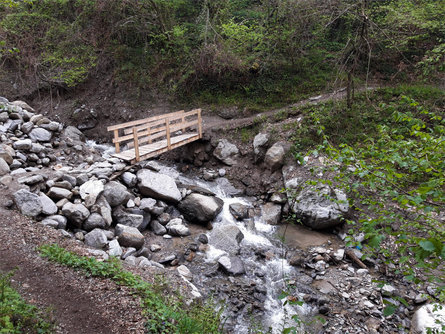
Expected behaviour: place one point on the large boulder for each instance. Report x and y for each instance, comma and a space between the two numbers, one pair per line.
75, 213
90, 191
129, 236
275, 155
226, 152
73, 134
96, 238
28, 203
39, 134
116, 193
158, 186
429, 318
271, 213
226, 238
200, 208
318, 206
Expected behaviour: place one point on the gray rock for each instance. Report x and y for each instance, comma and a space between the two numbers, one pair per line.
388, 290
28, 203
63, 184
157, 228
226, 238
73, 134
226, 152
271, 213
75, 213
50, 222
81, 179
24, 144
176, 228
51, 126
129, 179
27, 127
147, 204
104, 209
318, 207
260, 143
114, 249
129, 236
164, 218
59, 193
94, 220
158, 186
200, 208
21, 104
96, 238
48, 206
90, 191
120, 216
39, 134
116, 193
61, 220
131, 251
275, 155
239, 211
231, 265
185, 272
71, 179
37, 148
4, 167
4, 117
7, 153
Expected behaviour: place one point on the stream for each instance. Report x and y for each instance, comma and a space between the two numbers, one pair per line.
250, 301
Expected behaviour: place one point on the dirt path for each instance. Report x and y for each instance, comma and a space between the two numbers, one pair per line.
213, 122
78, 304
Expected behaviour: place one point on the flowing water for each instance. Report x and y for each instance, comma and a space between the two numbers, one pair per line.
268, 273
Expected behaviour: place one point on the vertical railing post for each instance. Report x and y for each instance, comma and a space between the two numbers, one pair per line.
116, 143
183, 124
199, 123
167, 130
136, 144
149, 133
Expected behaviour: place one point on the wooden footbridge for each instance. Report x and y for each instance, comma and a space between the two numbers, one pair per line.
149, 137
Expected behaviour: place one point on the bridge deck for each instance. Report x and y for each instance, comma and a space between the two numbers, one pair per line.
152, 136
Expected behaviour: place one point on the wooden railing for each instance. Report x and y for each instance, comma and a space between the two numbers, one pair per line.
154, 129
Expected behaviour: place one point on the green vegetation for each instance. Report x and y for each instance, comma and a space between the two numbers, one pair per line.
389, 150
247, 52
16, 315
164, 313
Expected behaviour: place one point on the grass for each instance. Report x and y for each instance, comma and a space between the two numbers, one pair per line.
360, 122
164, 314
16, 315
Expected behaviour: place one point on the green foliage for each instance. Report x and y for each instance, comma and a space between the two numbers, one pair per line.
391, 163
164, 314
16, 315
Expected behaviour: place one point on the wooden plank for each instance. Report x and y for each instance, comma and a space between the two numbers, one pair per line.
154, 123
116, 143
136, 144
167, 125
139, 122
157, 146
199, 123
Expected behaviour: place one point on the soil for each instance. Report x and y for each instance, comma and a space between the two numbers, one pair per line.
78, 304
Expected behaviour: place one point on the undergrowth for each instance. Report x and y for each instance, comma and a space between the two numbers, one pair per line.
164, 314
387, 152
16, 315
